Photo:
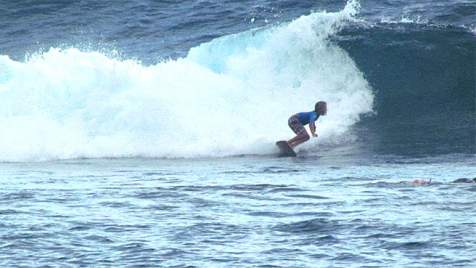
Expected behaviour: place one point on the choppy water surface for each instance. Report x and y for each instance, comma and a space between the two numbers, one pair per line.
235, 212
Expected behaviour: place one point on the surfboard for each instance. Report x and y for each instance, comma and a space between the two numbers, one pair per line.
285, 150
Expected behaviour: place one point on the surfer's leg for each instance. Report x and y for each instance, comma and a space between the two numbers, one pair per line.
298, 140
298, 128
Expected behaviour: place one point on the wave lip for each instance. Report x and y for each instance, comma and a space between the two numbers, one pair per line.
230, 96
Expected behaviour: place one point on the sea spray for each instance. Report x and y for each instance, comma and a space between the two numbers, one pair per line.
229, 96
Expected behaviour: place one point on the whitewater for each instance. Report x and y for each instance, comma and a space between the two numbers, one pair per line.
229, 96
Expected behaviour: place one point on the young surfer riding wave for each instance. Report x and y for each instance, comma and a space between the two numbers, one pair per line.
297, 122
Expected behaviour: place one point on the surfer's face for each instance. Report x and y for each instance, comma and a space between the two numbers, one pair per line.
322, 109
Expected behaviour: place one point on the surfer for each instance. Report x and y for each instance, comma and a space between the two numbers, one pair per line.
421, 182
299, 120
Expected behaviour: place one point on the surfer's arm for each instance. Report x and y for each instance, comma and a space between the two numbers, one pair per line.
312, 127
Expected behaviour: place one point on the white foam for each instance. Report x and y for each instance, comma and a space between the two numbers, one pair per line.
404, 20
230, 96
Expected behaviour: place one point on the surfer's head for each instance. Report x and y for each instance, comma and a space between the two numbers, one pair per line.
321, 108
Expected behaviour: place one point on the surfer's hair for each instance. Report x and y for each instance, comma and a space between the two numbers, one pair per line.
320, 107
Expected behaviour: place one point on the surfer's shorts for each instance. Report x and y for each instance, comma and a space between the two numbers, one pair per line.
296, 125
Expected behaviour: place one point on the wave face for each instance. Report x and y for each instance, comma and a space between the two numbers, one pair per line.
424, 82
229, 96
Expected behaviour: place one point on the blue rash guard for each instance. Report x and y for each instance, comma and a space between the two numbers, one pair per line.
306, 118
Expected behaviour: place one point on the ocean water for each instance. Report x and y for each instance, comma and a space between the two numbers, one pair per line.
141, 133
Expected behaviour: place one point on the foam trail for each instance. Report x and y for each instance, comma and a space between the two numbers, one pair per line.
230, 96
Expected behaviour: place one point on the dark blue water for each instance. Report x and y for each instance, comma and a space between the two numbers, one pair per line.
141, 133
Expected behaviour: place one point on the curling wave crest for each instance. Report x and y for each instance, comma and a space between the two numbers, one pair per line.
230, 96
